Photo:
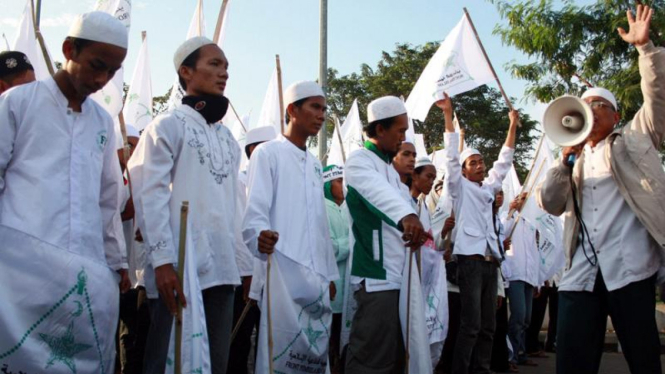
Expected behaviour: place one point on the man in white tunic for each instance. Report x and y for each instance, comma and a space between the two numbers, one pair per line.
60, 228
384, 224
477, 246
614, 243
286, 220
187, 155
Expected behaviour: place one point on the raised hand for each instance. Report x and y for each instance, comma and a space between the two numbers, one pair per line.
638, 32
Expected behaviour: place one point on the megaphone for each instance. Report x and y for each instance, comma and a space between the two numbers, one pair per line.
568, 121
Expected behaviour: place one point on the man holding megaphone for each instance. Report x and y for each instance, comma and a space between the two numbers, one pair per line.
613, 199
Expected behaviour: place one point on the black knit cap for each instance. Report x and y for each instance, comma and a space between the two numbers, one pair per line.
12, 62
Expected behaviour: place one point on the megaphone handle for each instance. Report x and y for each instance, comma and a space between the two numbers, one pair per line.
571, 160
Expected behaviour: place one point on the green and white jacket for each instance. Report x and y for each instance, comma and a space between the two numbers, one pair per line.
376, 202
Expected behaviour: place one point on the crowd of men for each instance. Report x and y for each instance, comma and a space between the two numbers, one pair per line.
349, 230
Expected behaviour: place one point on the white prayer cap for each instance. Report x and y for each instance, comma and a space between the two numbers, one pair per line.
468, 152
187, 48
301, 90
132, 131
601, 92
385, 107
332, 172
260, 135
423, 161
99, 27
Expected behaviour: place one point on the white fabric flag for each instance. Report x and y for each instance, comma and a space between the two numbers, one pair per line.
59, 310
457, 66
195, 349
270, 113
301, 319
196, 28
550, 246
26, 42
110, 96
419, 141
511, 187
419, 345
138, 103
352, 136
349, 305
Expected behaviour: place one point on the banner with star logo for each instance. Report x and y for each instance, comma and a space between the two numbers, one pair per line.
301, 319
59, 310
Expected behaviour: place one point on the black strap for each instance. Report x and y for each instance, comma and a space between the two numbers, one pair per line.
584, 233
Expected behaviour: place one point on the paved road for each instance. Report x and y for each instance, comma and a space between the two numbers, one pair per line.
612, 363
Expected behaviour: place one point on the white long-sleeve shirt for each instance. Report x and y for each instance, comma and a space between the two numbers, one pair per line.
472, 202
285, 194
522, 258
182, 158
60, 177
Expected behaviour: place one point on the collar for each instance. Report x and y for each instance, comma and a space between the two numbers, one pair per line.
60, 98
372, 147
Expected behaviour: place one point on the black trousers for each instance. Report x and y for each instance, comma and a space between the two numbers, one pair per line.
582, 324
500, 345
548, 300
445, 364
241, 344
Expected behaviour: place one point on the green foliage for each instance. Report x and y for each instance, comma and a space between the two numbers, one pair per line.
481, 112
160, 103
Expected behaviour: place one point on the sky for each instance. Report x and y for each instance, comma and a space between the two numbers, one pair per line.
358, 32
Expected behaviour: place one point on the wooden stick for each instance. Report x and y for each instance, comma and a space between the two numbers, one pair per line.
241, 319
528, 175
281, 94
408, 310
220, 21
184, 210
199, 8
40, 39
237, 116
482, 48
270, 341
517, 220
339, 137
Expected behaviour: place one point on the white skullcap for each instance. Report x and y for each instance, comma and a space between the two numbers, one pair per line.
132, 131
187, 48
260, 135
423, 161
301, 90
601, 92
385, 107
333, 172
468, 152
99, 27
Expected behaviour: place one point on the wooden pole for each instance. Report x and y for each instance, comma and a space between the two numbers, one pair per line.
199, 10
339, 137
408, 310
517, 220
270, 341
184, 210
528, 175
40, 38
220, 21
237, 116
241, 319
281, 93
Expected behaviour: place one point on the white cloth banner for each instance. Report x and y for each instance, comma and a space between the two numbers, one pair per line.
59, 312
270, 113
349, 305
412, 298
419, 141
195, 351
352, 136
26, 42
550, 245
138, 103
301, 320
196, 28
457, 66
511, 187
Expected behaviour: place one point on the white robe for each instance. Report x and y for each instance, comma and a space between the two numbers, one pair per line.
182, 158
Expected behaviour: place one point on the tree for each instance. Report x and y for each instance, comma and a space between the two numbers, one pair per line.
482, 112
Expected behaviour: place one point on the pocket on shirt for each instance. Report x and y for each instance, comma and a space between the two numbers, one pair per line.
472, 231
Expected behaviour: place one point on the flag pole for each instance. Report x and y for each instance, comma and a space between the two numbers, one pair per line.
270, 341
281, 94
528, 175
220, 21
38, 34
248, 305
237, 116
339, 137
482, 48
540, 168
323, 71
184, 210
408, 311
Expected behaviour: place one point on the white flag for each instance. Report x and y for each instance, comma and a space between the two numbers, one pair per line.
352, 137
301, 319
26, 42
195, 349
138, 103
239, 133
419, 141
457, 66
511, 188
270, 113
412, 298
550, 246
60, 310
110, 96
196, 28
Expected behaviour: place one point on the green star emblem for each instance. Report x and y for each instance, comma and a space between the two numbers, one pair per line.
312, 335
430, 302
64, 348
